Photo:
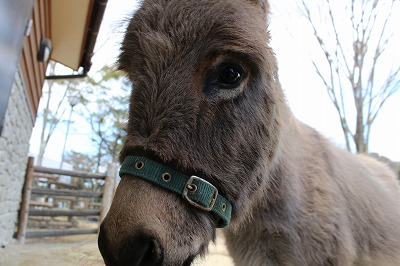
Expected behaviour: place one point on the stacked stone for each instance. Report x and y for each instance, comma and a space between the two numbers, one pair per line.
14, 147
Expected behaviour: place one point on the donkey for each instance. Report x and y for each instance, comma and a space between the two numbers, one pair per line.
211, 142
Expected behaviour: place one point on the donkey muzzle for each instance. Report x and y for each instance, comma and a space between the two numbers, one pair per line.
142, 249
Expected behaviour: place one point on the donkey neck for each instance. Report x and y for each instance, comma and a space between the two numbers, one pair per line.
272, 217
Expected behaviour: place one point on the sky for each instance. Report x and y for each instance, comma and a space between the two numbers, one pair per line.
304, 91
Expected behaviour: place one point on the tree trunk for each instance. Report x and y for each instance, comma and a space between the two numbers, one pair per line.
359, 140
43, 143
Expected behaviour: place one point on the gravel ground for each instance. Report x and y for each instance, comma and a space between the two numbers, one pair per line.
82, 250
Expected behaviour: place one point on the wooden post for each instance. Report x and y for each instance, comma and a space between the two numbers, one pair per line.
108, 192
26, 197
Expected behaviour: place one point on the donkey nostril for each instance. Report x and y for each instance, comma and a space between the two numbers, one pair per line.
152, 255
189, 261
104, 247
142, 250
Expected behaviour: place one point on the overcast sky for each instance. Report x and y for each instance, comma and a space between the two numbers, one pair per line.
305, 92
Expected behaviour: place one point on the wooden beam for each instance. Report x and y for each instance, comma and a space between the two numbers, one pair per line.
41, 204
42, 175
66, 232
63, 184
80, 174
26, 196
108, 193
54, 213
66, 192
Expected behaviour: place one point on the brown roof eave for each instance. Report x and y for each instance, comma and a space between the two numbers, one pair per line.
96, 18
99, 8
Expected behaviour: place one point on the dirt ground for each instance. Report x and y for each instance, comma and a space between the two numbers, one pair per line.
82, 250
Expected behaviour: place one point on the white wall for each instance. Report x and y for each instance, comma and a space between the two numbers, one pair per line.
14, 146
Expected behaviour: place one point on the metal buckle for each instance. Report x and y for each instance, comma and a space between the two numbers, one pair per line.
190, 184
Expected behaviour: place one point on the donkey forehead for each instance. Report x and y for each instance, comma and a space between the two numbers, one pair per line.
173, 29
198, 15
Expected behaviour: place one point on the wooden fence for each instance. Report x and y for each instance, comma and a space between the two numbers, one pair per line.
97, 203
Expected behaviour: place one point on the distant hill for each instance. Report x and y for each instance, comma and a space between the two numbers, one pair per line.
394, 165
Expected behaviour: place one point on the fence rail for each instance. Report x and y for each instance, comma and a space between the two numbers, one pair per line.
65, 232
65, 192
54, 171
32, 208
55, 213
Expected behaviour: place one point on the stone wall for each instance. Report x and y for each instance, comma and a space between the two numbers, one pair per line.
14, 147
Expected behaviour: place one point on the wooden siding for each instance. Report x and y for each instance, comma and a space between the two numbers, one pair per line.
33, 71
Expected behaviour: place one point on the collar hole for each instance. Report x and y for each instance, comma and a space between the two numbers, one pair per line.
166, 177
139, 165
223, 207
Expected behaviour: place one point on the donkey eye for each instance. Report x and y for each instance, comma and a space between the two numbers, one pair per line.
223, 80
230, 75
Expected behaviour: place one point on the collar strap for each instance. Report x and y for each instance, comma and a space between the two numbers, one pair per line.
195, 190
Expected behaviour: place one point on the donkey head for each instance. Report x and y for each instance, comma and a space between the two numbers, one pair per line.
205, 102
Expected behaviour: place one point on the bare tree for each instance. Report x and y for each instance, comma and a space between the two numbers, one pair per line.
50, 118
55, 107
357, 70
108, 128
107, 113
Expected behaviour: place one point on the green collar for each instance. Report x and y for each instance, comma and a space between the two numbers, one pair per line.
195, 190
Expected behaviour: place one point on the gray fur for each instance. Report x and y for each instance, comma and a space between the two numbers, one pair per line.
297, 199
